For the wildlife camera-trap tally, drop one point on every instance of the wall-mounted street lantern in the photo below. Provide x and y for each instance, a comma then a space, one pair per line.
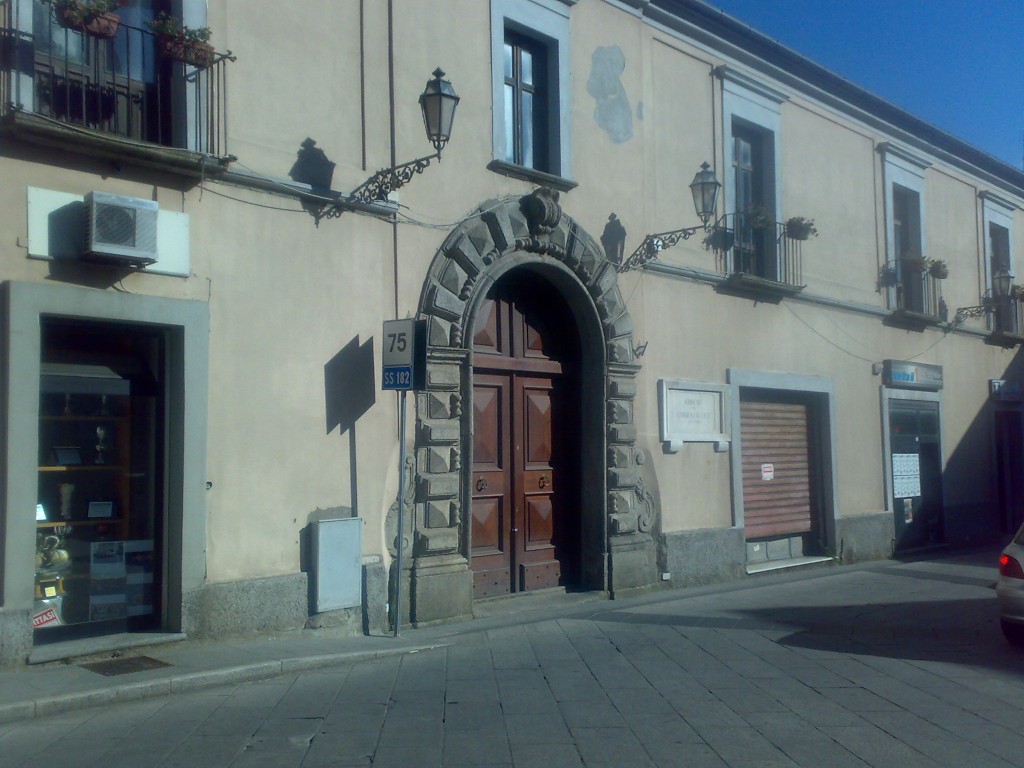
1002, 284
704, 188
437, 102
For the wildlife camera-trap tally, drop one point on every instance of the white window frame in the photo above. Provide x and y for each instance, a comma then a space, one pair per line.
999, 211
900, 167
548, 19
750, 101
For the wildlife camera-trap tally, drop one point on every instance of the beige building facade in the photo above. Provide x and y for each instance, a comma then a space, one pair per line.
823, 368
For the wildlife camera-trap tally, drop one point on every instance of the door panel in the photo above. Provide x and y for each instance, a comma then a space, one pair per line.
534, 483
539, 523
491, 521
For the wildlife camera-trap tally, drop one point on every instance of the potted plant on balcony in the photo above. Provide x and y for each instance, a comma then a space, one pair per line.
175, 41
914, 262
888, 277
938, 269
799, 228
759, 218
95, 18
719, 239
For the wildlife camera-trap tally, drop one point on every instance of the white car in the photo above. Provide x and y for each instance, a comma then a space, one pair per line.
1010, 589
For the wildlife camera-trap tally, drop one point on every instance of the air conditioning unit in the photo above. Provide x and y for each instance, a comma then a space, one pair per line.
120, 230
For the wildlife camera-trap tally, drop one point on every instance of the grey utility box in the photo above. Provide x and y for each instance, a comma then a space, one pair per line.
337, 563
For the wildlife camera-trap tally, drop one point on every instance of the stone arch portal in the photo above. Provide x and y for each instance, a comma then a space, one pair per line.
617, 515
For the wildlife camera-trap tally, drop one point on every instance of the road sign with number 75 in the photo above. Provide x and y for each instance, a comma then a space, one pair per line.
404, 354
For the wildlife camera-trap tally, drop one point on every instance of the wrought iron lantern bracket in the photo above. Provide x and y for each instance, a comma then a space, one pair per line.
963, 314
387, 180
437, 103
704, 188
652, 245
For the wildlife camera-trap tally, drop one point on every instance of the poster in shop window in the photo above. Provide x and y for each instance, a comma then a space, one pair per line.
906, 475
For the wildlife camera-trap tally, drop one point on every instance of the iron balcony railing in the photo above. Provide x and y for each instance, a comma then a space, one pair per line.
747, 244
1007, 314
120, 86
911, 288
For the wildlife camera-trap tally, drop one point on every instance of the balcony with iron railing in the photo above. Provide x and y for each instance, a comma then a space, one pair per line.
117, 97
1004, 314
757, 256
1007, 320
913, 293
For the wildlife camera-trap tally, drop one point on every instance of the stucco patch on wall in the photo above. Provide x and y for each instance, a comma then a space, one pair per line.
612, 113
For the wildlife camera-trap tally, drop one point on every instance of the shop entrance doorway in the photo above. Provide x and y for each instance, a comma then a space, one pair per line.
916, 473
1009, 434
525, 530
100, 503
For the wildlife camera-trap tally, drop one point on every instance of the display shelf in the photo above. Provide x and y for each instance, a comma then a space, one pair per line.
84, 471
82, 468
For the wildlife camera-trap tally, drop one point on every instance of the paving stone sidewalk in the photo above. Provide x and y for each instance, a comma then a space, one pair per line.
888, 664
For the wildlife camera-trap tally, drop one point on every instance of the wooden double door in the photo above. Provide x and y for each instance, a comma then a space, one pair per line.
525, 482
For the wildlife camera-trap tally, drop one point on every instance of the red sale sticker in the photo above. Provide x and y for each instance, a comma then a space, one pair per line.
45, 618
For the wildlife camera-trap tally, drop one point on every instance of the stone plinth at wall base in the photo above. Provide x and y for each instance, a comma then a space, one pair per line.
375, 597
15, 637
865, 537
634, 565
441, 589
247, 607
343, 622
706, 556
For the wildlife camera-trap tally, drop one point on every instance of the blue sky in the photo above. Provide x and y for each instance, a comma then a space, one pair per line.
954, 63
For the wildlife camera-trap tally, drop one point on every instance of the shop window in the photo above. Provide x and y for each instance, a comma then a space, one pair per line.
99, 513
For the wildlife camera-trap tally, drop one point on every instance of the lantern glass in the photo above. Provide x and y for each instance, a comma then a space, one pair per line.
438, 102
704, 188
1001, 282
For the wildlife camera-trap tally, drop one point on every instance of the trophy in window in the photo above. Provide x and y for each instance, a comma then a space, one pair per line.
101, 436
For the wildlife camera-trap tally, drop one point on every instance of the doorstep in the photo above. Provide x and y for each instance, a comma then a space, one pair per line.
790, 562
91, 646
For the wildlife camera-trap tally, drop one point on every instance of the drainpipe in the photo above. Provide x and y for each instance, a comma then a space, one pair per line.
394, 161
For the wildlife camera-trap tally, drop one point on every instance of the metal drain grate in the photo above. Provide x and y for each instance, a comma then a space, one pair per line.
124, 666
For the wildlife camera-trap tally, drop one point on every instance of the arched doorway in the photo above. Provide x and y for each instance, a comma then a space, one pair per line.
525, 508
530, 247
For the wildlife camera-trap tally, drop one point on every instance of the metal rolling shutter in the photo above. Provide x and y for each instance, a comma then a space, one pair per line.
775, 433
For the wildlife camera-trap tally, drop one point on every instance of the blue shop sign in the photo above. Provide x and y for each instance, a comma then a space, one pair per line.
907, 375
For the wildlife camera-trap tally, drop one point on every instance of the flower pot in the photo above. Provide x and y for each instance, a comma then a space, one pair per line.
914, 264
939, 271
798, 230
719, 239
100, 25
189, 52
887, 277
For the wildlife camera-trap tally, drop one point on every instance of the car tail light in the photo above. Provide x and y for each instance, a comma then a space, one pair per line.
1010, 568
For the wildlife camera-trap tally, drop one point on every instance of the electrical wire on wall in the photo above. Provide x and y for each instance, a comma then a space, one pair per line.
854, 355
